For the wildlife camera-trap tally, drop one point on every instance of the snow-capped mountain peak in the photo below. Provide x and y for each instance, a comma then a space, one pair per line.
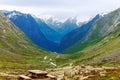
13, 14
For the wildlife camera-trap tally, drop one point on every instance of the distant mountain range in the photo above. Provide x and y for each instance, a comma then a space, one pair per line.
101, 45
76, 35
51, 34
63, 27
105, 28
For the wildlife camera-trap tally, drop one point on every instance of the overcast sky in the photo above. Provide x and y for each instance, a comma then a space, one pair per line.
84, 9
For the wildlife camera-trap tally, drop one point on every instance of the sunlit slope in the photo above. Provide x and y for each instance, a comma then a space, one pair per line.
105, 26
17, 51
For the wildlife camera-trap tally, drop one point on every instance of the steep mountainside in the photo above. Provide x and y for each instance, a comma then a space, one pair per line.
69, 25
76, 35
16, 51
31, 28
105, 26
49, 33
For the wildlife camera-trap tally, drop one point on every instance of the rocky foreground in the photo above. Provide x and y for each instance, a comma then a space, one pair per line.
77, 73
86, 73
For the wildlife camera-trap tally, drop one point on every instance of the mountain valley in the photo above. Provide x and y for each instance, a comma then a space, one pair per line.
40, 32
28, 42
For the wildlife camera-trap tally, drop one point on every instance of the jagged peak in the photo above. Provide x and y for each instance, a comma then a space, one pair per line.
51, 18
12, 14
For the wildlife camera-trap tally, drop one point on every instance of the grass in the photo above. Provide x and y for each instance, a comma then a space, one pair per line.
101, 28
18, 52
106, 45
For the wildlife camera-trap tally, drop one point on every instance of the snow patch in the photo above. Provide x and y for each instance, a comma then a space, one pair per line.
50, 59
102, 14
53, 64
12, 14
4, 31
51, 18
71, 64
45, 57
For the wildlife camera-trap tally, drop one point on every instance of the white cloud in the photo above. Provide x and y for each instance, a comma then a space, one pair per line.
61, 8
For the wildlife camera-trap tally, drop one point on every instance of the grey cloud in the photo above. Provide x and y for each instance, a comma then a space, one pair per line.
32, 2
62, 7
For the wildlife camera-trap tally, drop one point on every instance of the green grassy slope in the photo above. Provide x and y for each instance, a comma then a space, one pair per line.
18, 52
107, 51
103, 27
103, 43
